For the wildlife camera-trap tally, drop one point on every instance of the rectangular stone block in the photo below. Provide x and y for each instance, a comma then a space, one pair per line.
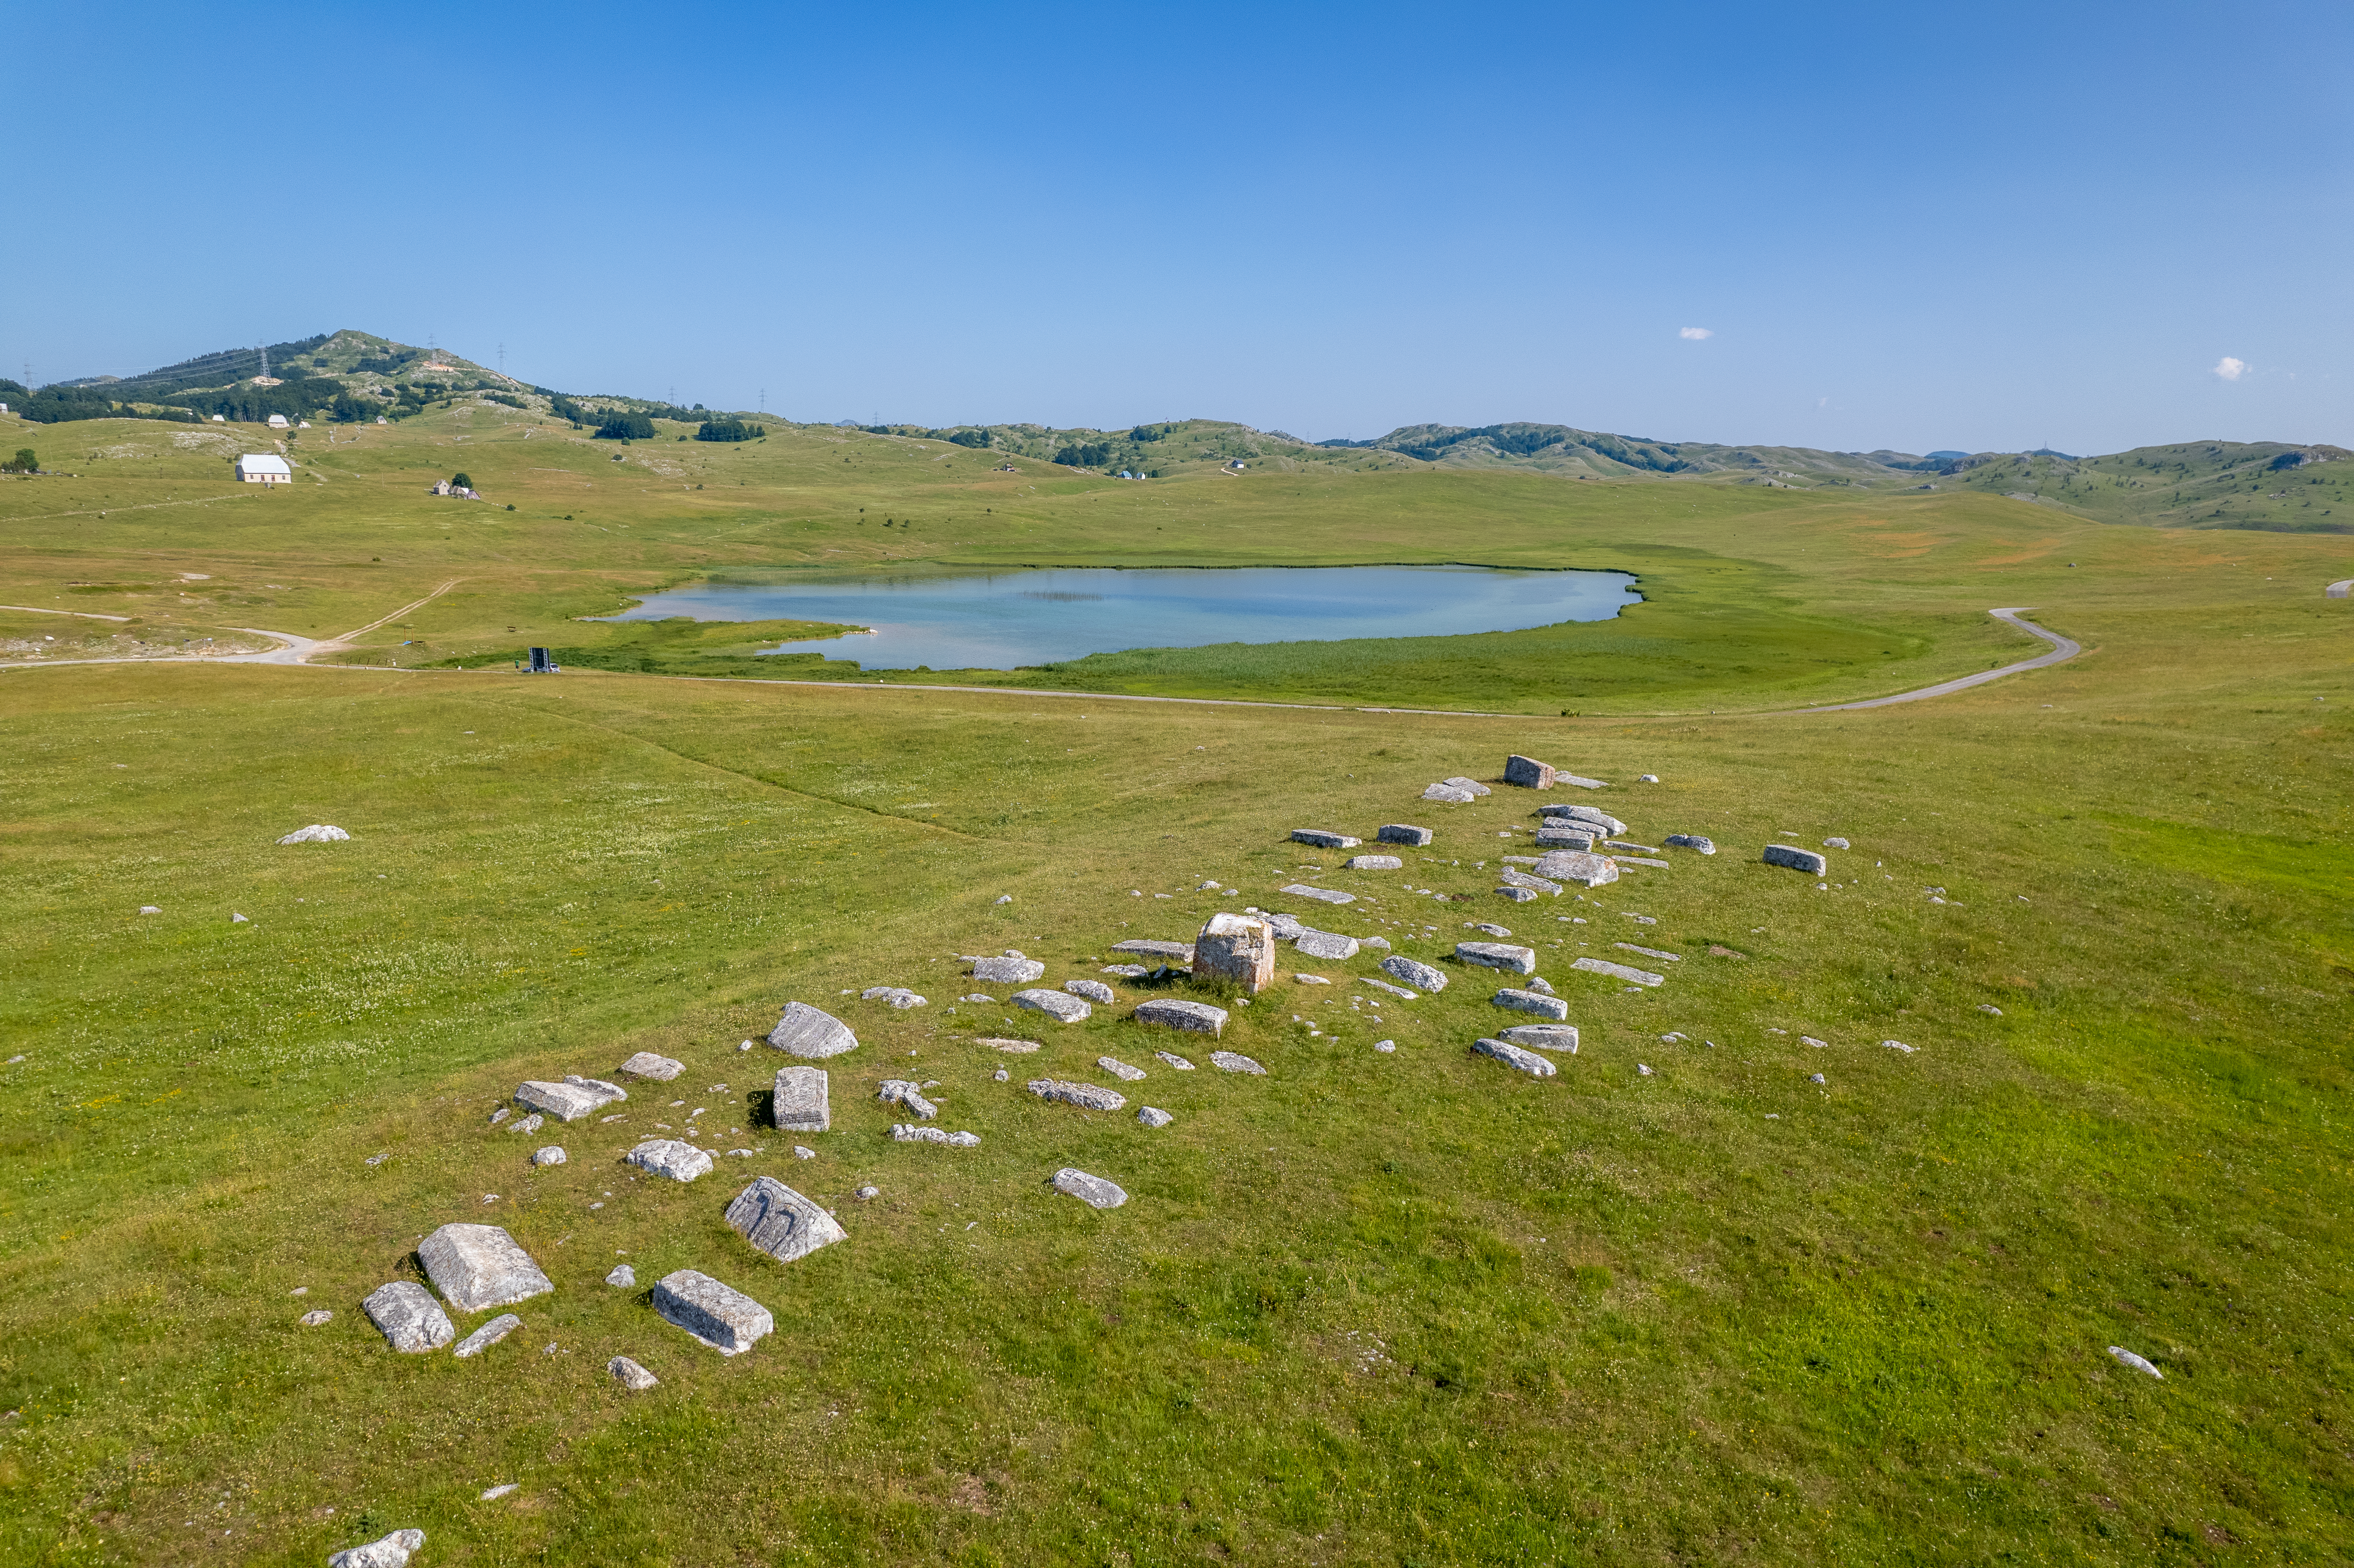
1595, 814
1325, 945
1405, 834
1175, 1012
1238, 949
1512, 1056
1797, 859
1571, 836
477, 1267
1619, 972
1499, 956
1321, 894
1322, 839
566, 1102
799, 1103
1528, 772
1373, 863
1175, 952
781, 1221
1576, 865
1543, 1037
1536, 1001
726, 1319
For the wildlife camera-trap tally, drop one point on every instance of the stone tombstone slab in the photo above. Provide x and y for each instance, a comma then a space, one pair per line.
1119, 1069
1091, 990
909, 1132
1175, 1012
1619, 972
1092, 1190
1321, 839
1086, 1096
411, 1322
566, 1102
489, 1334
781, 1221
1420, 976
1175, 952
477, 1267
1060, 1006
1178, 1062
1235, 1062
1007, 971
1153, 1115
646, 1065
669, 1157
1700, 842
1321, 894
1576, 865
1542, 1003
1543, 1037
1594, 815
1560, 835
1499, 956
726, 1319
1797, 859
609, 1093
1511, 877
1512, 1055
800, 1103
1373, 863
1405, 834
1473, 785
1528, 772
806, 1031
1325, 945
1236, 949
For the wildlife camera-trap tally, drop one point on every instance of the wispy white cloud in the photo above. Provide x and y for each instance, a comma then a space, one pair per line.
1696, 334
2230, 369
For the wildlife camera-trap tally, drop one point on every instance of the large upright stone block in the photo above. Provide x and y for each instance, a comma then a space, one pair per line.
799, 1103
1528, 772
477, 1267
1236, 949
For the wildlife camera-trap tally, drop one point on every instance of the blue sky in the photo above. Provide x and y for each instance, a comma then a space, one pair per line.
1986, 226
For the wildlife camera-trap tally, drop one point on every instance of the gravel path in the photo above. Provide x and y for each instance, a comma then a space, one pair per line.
2062, 650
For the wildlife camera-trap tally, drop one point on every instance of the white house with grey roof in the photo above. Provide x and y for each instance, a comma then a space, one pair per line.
264, 468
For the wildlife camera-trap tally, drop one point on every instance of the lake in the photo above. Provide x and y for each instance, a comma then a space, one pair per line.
1009, 619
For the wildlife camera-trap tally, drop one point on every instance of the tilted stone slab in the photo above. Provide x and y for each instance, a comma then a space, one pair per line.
1594, 815
1396, 990
1238, 949
802, 1101
646, 1065
1235, 1062
1176, 1012
1650, 952
1090, 990
1086, 1096
1797, 859
899, 1091
477, 1267
1007, 971
1420, 976
411, 1322
1512, 878
1119, 1069
1528, 772
1517, 895
781, 1221
566, 1102
1700, 842
1287, 928
725, 1318
1498, 956
1060, 1006
1092, 1190
1559, 834
611, 1092
1452, 794
1321, 894
1543, 1037
1512, 1055
489, 1334
1153, 1115
1471, 784
804, 1031
1325, 945
1542, 1003
1175, 952
1323, 840
669, 1157
1405, 834
1576, 865
1373, 863
909, 1132
899, 996
1619, 972
1178, 1062
387, 1552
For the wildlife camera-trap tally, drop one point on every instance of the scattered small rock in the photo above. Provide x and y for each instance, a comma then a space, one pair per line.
551, 1155
1835, 844
630, 1375
1178, 1062
899, 996
494, 1494
803, 1151
899, 1091
1900, 1045
1092, 1190
151, 909
2126, 1358
1512, 1055
1323, 840
316, 834
669, 1157
378, 1157
909, 1132
1700, 842
1153, 1115
1093, 991
867, 1194
1619, 972
1795, 859
1989, 1007
317, 1318
1386, 1046
1119, 1069
1321, 894
624, 1278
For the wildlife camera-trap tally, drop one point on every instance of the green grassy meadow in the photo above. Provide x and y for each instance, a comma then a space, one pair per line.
1451, 1314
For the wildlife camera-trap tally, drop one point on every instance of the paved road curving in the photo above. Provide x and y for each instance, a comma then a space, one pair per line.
2062, 650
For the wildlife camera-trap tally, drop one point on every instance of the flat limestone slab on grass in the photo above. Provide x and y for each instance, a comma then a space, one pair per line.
1092, 1190
1570, 835
1235, 1062
1325, 945
1795, 859
723, 1317
316, 834
1594, 815
1008, 970
804, 1031
1420, 976
781, 1221
1535, 1001
385, 1551
1405, 834
1017, 1046
566, 1102
1236, 949
1650, 952
1619, 972
1499, 956
1700, 842
477, 1267
1373, 863
1321, 894
1323, 840
1091, 990
1512, 1056
630, 1375
1060, 1006
411, 1322
1119, 1069
1175, 1012
1542, 1037
1175, 952
909, 1132
489, 1334
646, 1065
1511, 877
800, 1101
1472, 786
669, 1157
1453, 795
1086, 1096
1576, 865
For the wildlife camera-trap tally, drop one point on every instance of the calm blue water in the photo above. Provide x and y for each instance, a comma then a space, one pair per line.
1007, 620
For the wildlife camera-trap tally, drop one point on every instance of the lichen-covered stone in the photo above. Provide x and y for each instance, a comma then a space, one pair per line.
1060, 1006
624, 1278
1373, 863
1473, 785
1176, 1012
1565, 835
1498, 956
1091, 990
411, 1322
1528, 772
551, 1155
1007, 970
1700, 842
1517, 895
1321, 894
1512, 878
1543, 1037
1594, 815
899, 1091
477, 1267
566, 1102
1119, 1069
805, 1031
909, 1132
1086, 1096
630, 1375
723, 1317
1795, 859
1238, 949
781, 1221
669, 1157
1453, 795
1175, 952
1178, 1062
489, 1334
801, 1100
1092, 1190
1405, 834
1420, 976
385, 1551
1017, 1046
1576, 865
1153, 1115
1512, 1055
646, 1065
1536, 1001
1325, 945
1235, 1062
1619, 972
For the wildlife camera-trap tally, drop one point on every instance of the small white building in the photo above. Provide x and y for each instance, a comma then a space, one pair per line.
264, 468
303, 426
278, 422
220, 418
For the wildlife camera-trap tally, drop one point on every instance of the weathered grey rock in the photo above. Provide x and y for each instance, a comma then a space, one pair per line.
1795, 859
804, 1031
1321, 894
899, 1091
551, 1155
1007, 972
1235, 1062
2138, 1363
1380, 942
803, 1151
1238, 949
726, 1319
1517, 895
1385, 1046
1473, 785
477, 1267
1576, 865
864, 1194
1060, 1006
1594, 815
1565, 835
1092, 1190
1125, 971
1498, 956
1119, 1069
1287, 928
1542, 1003
387, 1552
646, 1065
1373, 863
1543, 1037
317, 1318
630, 1375
1621, 845
1176, 1012
1086, 1096
316, 834
1700, 842
411, 1322
1311, 980
1178, 1062
1323, 840
624, 1278
611, 1092
669, 1157
1153, 1115
1175, 952
1514, 878
801, 1100
1540, 985
500, 1114
1405, 834
1019, 1047
489, 1334
1325, 945
781, 1221
1512, 1055
1528, 772
531, 1123
909, 1132
899, 996
1420, 976
566, 1102
1575, 782
1650, 952
1638, 860
1398, 990
1452, 794
1093, 991
1619, 972
1835, 844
